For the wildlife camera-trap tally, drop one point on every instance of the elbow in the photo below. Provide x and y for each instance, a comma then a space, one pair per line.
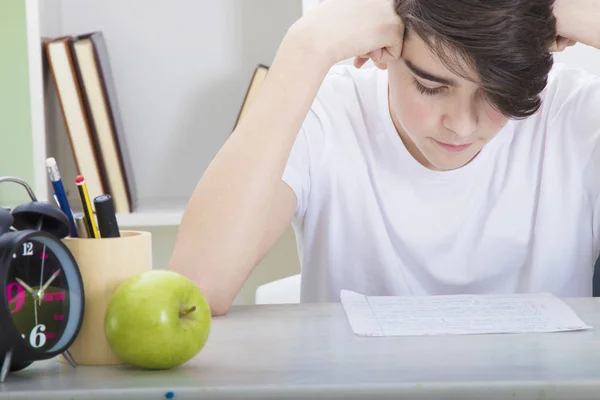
218, 296
218, 310
219, 304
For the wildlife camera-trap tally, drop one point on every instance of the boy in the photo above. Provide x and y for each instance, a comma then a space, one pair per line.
464, 163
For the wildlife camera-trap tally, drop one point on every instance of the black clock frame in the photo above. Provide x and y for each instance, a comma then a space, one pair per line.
15, 353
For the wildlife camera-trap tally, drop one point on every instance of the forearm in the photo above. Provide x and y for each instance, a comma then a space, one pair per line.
579, 20
218, 241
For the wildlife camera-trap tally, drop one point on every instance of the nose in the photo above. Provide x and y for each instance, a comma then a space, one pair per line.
462, 120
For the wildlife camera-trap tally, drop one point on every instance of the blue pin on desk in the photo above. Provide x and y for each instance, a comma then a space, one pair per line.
61, 195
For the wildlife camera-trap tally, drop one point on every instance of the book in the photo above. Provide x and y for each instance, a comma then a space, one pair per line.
258, 78
104, 115
63, 71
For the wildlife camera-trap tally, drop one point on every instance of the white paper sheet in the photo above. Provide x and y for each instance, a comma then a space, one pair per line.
458, 314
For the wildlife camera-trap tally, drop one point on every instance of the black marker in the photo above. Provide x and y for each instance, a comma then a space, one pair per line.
107, 219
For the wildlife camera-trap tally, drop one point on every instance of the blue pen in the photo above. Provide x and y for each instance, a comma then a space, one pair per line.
60, 193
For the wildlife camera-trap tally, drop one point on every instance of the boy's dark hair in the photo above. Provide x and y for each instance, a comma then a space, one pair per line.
506, 41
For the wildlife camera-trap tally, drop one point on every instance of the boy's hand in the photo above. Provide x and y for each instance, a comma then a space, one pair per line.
577, 21
561, 43
355, 28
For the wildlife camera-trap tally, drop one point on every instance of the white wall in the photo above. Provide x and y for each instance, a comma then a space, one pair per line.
181, 70
580, 56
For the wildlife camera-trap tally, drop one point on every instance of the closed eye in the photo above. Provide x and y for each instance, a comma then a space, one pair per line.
427, 91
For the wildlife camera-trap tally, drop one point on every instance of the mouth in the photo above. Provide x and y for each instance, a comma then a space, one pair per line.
456, 148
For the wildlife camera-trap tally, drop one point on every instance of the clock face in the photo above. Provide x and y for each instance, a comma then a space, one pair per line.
38, 293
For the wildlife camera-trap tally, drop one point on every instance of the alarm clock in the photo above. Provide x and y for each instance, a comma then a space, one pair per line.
42, 296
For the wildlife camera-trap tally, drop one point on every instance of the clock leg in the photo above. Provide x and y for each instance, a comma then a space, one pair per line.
5, 365
69, 358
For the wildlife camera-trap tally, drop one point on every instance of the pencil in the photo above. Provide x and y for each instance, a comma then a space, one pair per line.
82, 225
87, 207
59, 191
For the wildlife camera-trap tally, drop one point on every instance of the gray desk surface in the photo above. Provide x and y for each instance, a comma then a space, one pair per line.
299, 351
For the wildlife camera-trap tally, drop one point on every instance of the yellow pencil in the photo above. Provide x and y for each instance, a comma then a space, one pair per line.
87, 206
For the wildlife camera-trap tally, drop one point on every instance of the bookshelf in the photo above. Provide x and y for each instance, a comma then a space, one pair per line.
181, 70
151, 217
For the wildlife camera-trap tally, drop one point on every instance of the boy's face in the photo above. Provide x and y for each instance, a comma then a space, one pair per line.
443, 119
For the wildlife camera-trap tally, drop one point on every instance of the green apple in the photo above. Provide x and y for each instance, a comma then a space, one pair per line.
158, 319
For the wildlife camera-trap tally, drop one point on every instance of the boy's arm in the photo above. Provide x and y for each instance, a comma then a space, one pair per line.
241, 205
241, 195
578, 21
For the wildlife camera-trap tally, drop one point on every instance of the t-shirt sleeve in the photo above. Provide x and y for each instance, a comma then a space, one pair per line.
576, 112
303, 164
591, 173
584, 112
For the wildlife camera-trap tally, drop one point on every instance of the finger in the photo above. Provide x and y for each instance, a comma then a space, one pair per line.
359, 61
557, 47
387, 55
376, 55
391, 53
380, 65
561, 43
379, 57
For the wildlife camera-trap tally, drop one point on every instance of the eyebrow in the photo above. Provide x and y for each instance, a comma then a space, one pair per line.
426, 75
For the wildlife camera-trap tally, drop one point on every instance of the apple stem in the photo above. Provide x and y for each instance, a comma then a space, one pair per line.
186, 312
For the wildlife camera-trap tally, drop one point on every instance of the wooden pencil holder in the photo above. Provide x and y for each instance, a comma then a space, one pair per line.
104, 264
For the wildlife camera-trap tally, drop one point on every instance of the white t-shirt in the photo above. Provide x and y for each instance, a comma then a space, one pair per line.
523, 216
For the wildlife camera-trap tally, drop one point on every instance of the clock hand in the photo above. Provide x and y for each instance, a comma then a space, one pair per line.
25, 286
42, 274
30, 290
54, 275
35, 311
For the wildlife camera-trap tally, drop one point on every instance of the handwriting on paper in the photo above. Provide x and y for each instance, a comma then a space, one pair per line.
458, 314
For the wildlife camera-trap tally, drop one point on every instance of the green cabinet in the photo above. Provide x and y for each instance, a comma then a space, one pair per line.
16, 147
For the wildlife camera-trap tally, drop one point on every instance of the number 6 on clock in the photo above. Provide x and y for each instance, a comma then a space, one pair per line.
37, 338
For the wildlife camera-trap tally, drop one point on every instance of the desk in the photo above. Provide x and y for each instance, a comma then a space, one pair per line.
303, 350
